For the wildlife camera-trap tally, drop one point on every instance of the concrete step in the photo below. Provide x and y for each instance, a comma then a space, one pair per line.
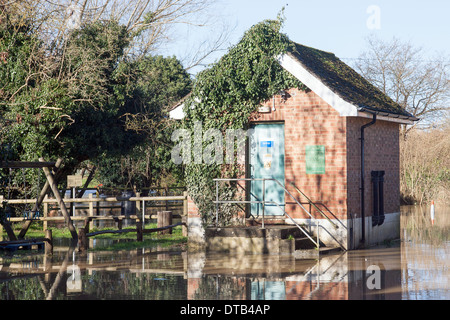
314, 253
329, 250
304, 243
268, 221
284, 231
273, 231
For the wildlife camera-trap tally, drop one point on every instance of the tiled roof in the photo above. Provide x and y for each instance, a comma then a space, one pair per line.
346, 82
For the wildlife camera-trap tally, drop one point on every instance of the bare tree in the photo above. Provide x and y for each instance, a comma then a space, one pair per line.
148, 24
400, 70
200, 52
425, 165
147, 21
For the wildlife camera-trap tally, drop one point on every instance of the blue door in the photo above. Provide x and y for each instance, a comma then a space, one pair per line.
266, 155
268, 290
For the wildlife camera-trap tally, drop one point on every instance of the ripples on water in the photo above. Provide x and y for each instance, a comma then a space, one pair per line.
415, 267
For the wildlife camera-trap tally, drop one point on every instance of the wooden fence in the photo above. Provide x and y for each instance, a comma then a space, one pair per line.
92, 209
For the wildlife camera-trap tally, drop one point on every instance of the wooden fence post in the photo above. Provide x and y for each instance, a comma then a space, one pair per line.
45, 213
138, 206
48, 242
91, 211
185, 203
164, 220
139, 230
166, 193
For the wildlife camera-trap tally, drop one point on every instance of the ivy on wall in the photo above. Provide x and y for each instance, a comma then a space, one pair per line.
226, 96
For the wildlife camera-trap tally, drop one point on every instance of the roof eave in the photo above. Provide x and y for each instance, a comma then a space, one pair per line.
399, 118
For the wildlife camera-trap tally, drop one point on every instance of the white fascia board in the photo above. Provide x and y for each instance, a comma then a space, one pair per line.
385, 118
177, 113
293, 66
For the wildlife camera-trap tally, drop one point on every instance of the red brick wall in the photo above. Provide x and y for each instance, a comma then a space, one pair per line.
381, 150
309, 120
301, 290
192, 209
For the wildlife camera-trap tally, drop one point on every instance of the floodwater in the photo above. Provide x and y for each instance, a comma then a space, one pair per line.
416, 267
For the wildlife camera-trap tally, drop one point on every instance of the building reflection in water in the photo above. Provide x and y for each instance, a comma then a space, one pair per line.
365, 275
415, 267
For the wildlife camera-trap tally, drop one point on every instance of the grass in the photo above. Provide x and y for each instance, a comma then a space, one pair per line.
122, 241
162, 241
127, 241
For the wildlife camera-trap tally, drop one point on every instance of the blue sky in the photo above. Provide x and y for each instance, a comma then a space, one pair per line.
335, 26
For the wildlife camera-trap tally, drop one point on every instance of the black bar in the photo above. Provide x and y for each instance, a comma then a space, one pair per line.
375, 201
380, 198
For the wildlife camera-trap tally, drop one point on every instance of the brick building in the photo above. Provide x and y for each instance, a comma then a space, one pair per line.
337, 142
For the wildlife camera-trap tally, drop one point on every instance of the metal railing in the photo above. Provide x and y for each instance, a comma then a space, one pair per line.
314, 205
264, 202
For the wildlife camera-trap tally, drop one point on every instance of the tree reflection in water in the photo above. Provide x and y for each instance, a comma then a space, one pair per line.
414, 268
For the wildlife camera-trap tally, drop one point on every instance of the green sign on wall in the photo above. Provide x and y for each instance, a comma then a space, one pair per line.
315, 159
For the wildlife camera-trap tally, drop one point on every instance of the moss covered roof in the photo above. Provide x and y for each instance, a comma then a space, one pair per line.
344, 81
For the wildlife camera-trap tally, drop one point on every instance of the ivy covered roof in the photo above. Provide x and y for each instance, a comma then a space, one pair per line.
345, 82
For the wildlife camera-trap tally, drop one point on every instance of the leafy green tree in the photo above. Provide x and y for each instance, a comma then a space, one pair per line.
94, 53
151, 85
64, 104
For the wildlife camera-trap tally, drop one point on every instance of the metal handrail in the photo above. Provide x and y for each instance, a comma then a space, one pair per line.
279, 206
314, 205
317, 243
263, 202
263, 180
323, 214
